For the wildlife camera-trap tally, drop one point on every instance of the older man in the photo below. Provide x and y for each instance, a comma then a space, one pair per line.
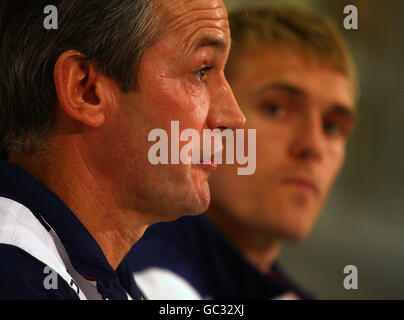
77, 189
293, 76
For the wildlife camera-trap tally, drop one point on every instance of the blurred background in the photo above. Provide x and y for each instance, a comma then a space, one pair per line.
363, 222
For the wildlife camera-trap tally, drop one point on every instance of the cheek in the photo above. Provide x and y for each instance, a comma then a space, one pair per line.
184, 102
333, 163
272, 144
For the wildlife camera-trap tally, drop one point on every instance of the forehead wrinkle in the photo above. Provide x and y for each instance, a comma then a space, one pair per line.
193, 39
206, 21
186, 5
190, 17
185, 19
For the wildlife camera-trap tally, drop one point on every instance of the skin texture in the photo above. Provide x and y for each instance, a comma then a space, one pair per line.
303, 112
96, 160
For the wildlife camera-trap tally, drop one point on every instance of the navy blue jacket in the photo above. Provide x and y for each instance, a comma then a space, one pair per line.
195, 251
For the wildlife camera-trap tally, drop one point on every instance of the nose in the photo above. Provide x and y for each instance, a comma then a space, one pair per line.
224, 110
309, 141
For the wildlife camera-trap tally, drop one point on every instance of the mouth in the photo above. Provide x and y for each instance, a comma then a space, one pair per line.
210, 167
302, 184
209, 162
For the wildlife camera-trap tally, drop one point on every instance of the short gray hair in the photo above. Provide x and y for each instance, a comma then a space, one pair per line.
112, 33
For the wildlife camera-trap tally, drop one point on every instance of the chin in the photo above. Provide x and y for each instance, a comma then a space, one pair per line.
296, 237
298, 222
296, 233
202, 200
193, 202
290, 227
200, 193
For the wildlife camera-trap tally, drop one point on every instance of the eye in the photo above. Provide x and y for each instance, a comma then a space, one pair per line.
333, 129
201, 73
275, 110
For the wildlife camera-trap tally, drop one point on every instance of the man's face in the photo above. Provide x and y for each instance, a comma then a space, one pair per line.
303, 112
181, 79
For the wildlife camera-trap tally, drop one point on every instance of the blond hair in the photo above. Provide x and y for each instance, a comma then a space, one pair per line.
316, 34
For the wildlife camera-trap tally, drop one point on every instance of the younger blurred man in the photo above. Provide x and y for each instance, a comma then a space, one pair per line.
293, 77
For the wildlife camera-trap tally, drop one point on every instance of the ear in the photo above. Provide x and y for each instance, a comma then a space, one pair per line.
80, 89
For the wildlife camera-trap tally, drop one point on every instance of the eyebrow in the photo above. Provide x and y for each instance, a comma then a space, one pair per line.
282, 87
340, 109
212, 42
345, 112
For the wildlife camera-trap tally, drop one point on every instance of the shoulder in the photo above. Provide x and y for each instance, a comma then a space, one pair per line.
165, 263
22, 277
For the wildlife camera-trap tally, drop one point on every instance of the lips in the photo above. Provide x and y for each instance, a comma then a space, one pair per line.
302, 184
211, 159
210, 166
209, 162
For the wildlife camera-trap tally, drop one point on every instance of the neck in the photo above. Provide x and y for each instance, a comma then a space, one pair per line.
258, 247
90, 198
